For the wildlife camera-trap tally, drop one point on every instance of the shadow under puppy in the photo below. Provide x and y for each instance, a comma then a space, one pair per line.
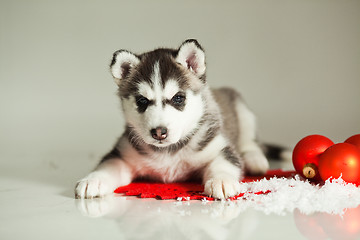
176, 126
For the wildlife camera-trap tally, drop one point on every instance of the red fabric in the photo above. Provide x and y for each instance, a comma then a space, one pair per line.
187, 190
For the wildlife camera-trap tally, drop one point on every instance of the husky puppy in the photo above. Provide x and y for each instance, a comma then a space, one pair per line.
177, 128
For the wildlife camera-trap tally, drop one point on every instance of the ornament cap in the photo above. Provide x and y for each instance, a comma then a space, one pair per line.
310, 170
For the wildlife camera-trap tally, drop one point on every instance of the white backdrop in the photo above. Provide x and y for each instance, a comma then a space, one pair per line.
296, 62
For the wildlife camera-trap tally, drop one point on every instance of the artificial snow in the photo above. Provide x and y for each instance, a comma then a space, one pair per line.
297, 193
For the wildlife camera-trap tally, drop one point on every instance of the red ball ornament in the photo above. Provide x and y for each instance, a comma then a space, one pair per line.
341, 159
354, 140
306, 155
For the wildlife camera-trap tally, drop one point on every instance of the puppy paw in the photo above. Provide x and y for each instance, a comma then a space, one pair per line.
222, 188
96, 184
255, 162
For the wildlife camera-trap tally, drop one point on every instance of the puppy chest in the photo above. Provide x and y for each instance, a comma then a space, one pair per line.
169, 169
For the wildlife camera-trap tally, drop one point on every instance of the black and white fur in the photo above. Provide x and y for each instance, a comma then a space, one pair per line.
177, 128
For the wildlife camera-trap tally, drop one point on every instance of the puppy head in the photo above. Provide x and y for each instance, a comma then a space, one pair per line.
161, 91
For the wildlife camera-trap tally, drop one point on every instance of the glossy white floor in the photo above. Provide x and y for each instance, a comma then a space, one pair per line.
37, 203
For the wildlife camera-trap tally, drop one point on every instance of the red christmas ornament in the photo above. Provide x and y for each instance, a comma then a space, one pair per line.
354, 140
306, 155
342, 159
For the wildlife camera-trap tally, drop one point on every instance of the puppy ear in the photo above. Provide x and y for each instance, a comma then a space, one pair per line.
192, 56
122, 63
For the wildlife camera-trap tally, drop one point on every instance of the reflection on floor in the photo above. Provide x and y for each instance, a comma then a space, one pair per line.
155, 219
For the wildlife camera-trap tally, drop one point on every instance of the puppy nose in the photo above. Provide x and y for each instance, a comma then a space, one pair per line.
159, 133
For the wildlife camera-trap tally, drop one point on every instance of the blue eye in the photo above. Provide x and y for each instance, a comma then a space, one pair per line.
178, 99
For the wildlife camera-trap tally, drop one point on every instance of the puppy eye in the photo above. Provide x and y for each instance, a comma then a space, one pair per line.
142, 101
178, 99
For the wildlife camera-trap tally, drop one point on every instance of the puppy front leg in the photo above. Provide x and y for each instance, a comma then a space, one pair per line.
222, 175
109, 174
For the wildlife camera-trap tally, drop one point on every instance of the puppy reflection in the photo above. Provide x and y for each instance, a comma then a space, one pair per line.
149, 218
